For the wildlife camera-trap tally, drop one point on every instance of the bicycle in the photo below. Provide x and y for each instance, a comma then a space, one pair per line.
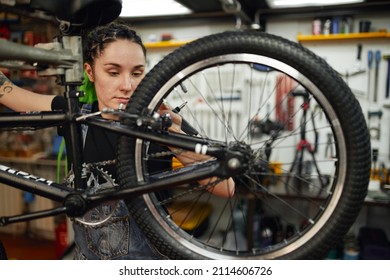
256, 147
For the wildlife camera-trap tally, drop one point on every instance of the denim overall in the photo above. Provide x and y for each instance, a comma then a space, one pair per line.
117, 238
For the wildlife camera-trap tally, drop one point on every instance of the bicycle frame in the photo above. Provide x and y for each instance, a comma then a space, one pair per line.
68, 67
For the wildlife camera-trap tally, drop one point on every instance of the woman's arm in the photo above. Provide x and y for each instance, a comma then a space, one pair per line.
223, 188
21, 100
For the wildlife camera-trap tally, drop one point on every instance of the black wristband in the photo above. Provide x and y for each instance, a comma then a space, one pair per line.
58, 103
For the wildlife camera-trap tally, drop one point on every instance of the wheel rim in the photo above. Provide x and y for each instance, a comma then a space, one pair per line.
316, 221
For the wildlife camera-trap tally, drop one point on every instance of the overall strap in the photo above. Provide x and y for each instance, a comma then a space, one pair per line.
85, 109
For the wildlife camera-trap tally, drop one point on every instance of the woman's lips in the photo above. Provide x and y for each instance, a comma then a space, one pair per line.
122, 100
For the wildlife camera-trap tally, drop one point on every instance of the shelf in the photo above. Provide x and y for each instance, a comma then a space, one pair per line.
28, 160
165, 44
364, 35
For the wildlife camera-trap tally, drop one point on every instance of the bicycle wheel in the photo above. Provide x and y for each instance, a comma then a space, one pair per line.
309, 146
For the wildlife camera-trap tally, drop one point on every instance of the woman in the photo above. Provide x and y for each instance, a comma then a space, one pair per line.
115, 62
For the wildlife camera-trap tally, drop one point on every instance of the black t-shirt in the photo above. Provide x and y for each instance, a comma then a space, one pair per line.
100, 145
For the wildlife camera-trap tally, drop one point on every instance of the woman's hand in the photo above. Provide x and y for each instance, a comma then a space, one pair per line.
176, 118
223, 188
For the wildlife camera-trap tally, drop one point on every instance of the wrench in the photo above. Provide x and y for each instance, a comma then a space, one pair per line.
387, 57
377, 60
370, 55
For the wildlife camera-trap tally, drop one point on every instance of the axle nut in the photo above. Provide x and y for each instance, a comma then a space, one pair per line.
234, 164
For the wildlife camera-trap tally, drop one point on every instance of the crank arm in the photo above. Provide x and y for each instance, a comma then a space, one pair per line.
32, 216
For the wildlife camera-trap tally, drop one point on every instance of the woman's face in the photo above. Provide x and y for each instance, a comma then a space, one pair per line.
117, 71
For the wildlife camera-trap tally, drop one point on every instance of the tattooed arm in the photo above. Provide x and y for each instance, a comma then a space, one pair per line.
20, 100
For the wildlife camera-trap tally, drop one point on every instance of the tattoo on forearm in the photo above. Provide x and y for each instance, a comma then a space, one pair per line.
5, 85
3, 79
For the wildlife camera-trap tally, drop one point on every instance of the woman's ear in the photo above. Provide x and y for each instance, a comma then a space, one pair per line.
88, 70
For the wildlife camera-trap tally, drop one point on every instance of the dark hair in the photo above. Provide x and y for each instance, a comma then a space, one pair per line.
99, 37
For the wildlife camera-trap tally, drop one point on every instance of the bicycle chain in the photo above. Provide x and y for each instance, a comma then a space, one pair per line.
167, 153
99, 164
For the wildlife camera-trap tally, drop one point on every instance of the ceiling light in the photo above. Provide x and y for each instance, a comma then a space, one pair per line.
306, 3
150, 8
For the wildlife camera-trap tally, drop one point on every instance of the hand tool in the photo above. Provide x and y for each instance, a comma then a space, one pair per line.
377, 61
357, 69
375, 131
178, 108
387, 106
375, 153
387, 57
185, 126
358, 66
329, 146
370, 55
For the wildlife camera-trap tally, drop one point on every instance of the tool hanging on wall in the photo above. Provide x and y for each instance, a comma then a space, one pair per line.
375, 131
358, 65
377, 61
387, 94
387, 106
357, 69
329, 146
370, 57
374, 154
384, 178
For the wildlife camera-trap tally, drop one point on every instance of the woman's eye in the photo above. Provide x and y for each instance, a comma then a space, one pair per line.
113, 73
137, 74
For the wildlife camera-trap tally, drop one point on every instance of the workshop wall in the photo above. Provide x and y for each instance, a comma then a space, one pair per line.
342, 55
369, 85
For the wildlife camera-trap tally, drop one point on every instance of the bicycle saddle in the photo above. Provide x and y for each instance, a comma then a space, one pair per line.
86, 13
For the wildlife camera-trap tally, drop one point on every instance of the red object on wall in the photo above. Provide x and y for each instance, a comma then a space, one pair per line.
285, 101
4, 31
61, 238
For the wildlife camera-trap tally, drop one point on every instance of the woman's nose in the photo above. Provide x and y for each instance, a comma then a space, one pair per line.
127, 83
